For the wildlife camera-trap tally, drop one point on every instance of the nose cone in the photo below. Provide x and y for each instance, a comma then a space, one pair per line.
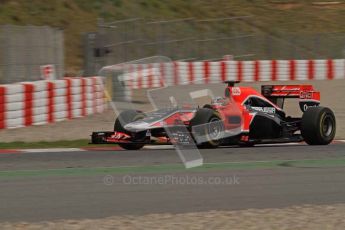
137, 126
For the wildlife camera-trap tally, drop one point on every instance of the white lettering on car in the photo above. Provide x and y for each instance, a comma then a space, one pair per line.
264, 109
236, 91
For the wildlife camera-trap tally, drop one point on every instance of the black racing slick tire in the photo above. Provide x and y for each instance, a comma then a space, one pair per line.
124, 118
318, 126
207, 128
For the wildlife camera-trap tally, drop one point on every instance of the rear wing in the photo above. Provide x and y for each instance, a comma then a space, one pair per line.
305, 93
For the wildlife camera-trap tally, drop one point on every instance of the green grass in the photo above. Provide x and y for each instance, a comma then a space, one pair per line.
78, 16
56, 144
169, 168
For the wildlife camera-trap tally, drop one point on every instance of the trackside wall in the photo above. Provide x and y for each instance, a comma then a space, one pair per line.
189, 73
42, 102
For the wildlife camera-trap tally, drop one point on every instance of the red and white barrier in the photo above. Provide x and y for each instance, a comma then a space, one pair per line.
186, 73
41, 102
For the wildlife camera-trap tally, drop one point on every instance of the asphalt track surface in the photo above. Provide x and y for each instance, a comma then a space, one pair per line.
95, 184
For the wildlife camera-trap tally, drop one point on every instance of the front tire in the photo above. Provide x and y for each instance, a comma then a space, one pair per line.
212, 131
318, 126
123, 119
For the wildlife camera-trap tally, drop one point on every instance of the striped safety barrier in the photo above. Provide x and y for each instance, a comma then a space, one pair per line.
185, 73
41, 102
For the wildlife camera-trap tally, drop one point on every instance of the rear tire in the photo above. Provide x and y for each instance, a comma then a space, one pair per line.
212, 132
123, 119
318, 126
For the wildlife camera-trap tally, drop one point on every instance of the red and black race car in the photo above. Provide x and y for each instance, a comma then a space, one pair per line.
242, 117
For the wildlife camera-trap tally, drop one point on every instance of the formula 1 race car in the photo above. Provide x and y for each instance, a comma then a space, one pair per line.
242, 117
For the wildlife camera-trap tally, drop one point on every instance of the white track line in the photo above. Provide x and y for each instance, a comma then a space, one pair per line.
157, 147
52, 150
280, 144
163, 147
149, 147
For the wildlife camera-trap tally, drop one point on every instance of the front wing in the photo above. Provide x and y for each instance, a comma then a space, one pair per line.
114, 137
